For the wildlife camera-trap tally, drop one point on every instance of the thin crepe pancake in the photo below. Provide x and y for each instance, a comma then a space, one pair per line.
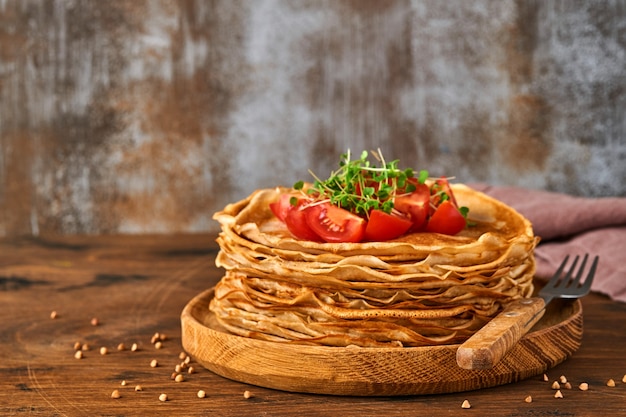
419, 289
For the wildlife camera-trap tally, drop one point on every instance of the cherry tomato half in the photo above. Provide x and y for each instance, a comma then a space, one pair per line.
281, 207
447, 219
295, 219
383, 226
440, 188
415, 206
334, 224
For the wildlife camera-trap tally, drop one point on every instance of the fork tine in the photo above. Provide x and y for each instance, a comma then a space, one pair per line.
568, 276
592, 272
557, 275
574, 283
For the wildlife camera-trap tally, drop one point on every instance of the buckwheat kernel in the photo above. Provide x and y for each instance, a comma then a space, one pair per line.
466, 404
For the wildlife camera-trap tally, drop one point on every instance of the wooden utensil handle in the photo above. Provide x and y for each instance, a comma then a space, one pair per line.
488, 345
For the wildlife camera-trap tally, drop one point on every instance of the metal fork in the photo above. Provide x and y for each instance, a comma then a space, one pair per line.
488, 345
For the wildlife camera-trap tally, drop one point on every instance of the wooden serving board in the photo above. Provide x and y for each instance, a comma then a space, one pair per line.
372, 371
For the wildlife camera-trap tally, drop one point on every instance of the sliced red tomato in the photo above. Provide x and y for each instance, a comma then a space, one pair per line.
415, 206
281, 207
295, 219
383, 226
334, 224
440, 188
447, 219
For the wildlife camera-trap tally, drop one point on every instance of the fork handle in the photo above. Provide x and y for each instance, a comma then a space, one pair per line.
489, 344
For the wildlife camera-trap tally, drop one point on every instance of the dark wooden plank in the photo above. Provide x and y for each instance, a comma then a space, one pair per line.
138, 285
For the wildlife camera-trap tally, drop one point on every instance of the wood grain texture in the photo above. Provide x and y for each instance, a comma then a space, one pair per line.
139, 285
148, 116
371, 371
494, 340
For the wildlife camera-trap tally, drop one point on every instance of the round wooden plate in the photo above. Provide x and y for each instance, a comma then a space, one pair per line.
372, 371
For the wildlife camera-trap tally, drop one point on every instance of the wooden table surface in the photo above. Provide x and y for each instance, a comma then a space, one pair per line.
136, 286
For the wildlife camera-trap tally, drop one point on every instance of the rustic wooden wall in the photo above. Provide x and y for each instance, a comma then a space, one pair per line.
147, 116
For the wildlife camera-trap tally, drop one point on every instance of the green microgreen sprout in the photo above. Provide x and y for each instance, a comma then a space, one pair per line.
361, 186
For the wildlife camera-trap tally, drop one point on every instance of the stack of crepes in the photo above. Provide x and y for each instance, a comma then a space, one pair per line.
421, 289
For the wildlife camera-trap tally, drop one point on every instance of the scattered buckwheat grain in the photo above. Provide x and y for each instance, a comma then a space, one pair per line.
545, 378
158, 345
191, 370
134, 347
54, 315
78, 354
568, 385
556, 385
528, 399
163, 397
115, 394
85, 346
583, 386
201, 394
121, 347
610, 383
182, 356
558, 394
95, 321
177, 368
624, 378
138, 388
77, 346
154, 363
123, 383
247, 394
563, 379
103, 350
179, 378
466, 404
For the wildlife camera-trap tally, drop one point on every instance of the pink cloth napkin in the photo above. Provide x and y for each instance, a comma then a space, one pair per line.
575, 226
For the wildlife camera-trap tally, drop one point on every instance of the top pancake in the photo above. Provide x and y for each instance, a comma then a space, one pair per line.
497, 228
